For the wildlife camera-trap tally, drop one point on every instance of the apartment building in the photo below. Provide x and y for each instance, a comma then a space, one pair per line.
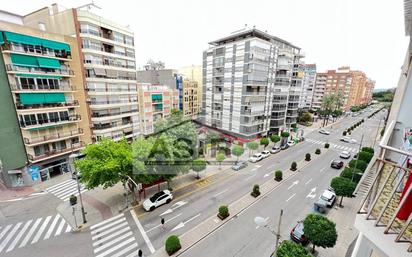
108, 64
251, 84
194, 73
156, 102
43, 118
308, 85
191, 107
354, 87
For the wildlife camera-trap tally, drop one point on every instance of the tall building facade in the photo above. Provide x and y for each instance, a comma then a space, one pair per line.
194, 73
42, 81
156, 102
190, 100
108, 64
308, 86
251, 84
354, 87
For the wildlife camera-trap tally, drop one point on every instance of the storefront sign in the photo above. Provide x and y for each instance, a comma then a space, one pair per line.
34, 172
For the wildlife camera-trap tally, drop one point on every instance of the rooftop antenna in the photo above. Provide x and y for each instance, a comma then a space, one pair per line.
90, 5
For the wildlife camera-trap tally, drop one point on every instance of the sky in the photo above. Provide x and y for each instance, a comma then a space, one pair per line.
366, 35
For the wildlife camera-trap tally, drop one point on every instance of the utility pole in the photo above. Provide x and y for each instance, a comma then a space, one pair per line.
278, 232
356, 162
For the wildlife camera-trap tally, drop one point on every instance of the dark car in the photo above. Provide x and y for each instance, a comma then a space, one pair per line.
336, 164
239, 165
297, 234
284, 147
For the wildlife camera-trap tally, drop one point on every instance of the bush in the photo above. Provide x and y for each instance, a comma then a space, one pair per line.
307, 157
348, 173
362, 165
344, 133
317, 151
327, 145
368, 149
255, 191
172, 244
278, 175
293, 166
223, 212
365, 156
73, 200
284, 134
382, 132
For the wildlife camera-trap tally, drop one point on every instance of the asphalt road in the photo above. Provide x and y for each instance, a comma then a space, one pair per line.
192, 208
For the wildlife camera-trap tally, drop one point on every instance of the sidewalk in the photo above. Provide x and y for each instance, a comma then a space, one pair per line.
8, 193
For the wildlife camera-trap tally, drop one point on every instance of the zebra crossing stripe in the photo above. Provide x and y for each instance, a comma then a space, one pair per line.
125, 250
106, 221
95, 231
42, 228
31, 231
9, 236
60, 227
66, 198
68, 228
111, 236
5, 231
49, 232
98, 249
108, 231
19, 235
116, 247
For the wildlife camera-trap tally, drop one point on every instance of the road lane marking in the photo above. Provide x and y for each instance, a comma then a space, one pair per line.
290, 197
95, 231
16, 240
9, 236
144, 235
42, 228
111, 236
182, 224
116, 247
307, 182
323, 168
246, 179
117, 239
293, 184
31, 231
105, 221
312, 193
167, 221
49, 232
224, 191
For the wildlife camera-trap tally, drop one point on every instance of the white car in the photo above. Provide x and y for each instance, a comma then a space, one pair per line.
256, 157
157, 199
344, 155
324, 132
275, 149
291, 143
345, 139
353, 141
329, 197
265, 153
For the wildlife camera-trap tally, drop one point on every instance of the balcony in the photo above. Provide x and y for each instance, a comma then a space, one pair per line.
39, 88
69, 104
55, 152
35, 51
49, 122
31, 141
41, 71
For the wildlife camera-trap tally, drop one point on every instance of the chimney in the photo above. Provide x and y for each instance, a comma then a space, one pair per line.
55, 8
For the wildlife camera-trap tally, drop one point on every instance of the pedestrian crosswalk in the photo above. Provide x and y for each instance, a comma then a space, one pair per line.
113, 237
21, 234
65, 189
339, 147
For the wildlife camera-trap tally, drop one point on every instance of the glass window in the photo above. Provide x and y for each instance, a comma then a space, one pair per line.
129, 40
64, 116
118, 37
42, 118
54, 116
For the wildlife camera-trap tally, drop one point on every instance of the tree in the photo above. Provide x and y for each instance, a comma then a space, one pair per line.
198, 165
274, 139
365, 156
213, 138
359, 164
285, 135
328, 102
343, 187
368, 149
220, 157
264, 141
350, 173
253, 145
238, 151
105, 163
320, 231
305, 117
291, 249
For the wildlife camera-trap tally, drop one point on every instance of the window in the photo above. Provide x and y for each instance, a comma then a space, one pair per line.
30, 119
27, 83
42, 26
41, 149
64, 116
89, 29
129, 52
129, 40
54, 117
118, 37
42, 118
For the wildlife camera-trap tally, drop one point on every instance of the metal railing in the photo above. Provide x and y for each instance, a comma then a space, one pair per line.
36, 51
47, 122
34, 87
54, 152
40, 139
61, 71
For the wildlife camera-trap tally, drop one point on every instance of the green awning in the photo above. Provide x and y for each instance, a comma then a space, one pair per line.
41, 98
24, 60
38, 76
29, 40
1, 38
44, 127
157, 97
48, 63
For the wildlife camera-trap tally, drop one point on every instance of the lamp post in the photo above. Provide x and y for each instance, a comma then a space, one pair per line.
262, 222
72, 157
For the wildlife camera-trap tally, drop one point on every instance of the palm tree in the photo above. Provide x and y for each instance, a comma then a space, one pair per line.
328, 103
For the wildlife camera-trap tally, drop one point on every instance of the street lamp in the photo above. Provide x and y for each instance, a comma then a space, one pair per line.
262, 222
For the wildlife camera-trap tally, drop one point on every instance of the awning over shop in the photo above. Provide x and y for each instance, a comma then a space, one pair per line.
157, 97
41, 98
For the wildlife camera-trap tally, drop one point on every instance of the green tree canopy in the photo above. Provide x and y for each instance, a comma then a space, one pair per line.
291, 249
349, 172
305, 117
220, 157
106, 163
274, 138
320, 231
198, 165
285, 134
362, 165
365, 156
264, 141
343, 187
253, 145
237, 151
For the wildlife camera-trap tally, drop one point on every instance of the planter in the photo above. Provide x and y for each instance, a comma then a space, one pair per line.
278, 179
73, 200
255, 194
172, 245
223, 212
221, 217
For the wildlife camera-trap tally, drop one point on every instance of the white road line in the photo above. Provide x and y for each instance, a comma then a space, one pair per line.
111, 236
42, 228
192, 218
165, 222
224, 191
60, 227
117, 239
253, 169
116, 247
246, 179
5, 231
16, 240
31, 231
144, 235
50, 231
95, 231
9, 236
68, 228
109, 231
125, 250
290, 197
58, 185
106, 221
322, 169
63, 187
66, 198
307, 182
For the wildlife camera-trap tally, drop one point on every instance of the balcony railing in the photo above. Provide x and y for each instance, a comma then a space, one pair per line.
55, 152
35, 51
100, 115
50, 137
47, 122
63, 71
51, 105
33, 87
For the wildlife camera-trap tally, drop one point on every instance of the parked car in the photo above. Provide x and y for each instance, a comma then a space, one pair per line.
239, 165
324, 132
265, 153
353, 141
344, 155
275, 149
345, 139
298, 235
256, 157
284, 147
329, 196
291, 143
157, 199
336, 164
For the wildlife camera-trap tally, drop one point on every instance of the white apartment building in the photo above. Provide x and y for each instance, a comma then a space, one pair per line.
245, 92
308, 86
108, 57
319, 90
